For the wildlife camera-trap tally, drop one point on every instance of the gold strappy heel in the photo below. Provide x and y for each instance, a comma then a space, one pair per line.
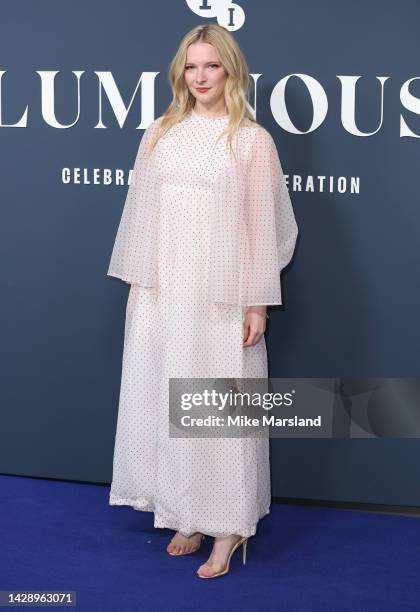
244, 542
176, 554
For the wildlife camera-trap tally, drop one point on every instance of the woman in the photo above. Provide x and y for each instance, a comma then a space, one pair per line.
206, 229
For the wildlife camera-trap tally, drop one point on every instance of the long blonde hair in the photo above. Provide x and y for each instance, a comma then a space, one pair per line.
236, 87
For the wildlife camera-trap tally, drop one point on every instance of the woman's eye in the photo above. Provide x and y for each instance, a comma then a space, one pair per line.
211, 66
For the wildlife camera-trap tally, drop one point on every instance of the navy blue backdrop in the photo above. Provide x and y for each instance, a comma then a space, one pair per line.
68, 74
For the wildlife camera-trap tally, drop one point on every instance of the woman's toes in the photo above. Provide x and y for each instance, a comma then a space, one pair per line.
174, 549
185, 548
205, 570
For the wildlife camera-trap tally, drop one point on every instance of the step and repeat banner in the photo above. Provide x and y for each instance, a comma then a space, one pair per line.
338, 87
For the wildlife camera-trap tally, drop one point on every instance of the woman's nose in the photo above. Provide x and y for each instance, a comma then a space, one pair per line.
201, 77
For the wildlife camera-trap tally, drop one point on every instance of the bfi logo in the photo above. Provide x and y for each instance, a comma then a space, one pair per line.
228, 14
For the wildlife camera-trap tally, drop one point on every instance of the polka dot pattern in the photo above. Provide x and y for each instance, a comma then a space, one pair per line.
216, 486
251, 222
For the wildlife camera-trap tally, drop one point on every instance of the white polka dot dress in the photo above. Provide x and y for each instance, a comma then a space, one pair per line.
216, 486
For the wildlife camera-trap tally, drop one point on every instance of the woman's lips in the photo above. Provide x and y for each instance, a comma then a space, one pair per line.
202, 89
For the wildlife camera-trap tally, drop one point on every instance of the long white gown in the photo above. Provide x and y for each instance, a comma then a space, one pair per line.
216, 486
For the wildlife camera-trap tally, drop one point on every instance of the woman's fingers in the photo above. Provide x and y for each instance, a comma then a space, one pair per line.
252, 339
254, 327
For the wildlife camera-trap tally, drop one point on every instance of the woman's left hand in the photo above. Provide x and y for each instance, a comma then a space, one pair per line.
254, 325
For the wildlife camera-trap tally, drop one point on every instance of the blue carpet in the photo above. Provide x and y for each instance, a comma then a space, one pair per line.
64, 536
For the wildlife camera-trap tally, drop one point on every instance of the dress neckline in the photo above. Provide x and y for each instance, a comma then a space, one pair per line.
204, 118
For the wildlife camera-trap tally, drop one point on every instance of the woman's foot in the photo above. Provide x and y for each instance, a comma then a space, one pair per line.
219, 555
181, 545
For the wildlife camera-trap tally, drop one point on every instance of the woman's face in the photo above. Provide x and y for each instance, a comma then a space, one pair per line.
203, 69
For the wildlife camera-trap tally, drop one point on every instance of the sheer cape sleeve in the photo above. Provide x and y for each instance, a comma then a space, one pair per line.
134, 255
255, 229
271, 224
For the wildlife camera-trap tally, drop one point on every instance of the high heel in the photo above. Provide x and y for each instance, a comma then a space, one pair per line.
225, 570
175, 554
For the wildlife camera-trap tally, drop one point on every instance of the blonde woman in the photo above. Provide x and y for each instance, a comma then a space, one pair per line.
206, 229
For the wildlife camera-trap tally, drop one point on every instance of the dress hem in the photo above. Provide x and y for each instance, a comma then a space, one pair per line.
164, 522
